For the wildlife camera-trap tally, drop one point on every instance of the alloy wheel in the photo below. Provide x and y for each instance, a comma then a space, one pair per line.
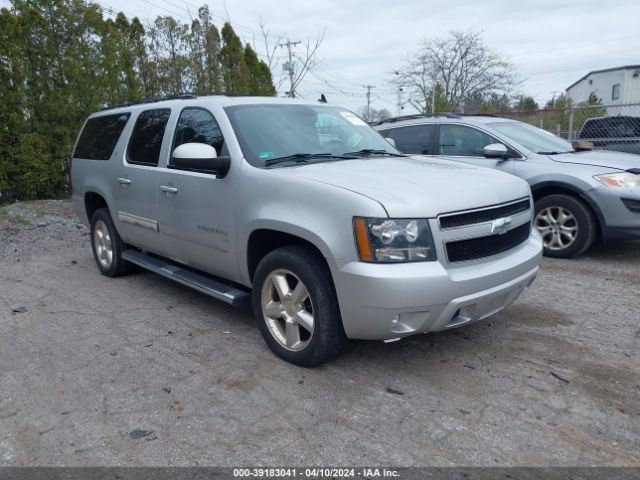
558, 227
287, 309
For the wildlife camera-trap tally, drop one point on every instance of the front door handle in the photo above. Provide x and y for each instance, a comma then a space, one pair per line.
169, 189
124, 181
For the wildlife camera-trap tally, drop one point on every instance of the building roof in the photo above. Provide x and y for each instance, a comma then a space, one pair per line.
626, 67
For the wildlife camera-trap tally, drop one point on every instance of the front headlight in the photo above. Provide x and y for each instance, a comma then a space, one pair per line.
620, 180
385, 240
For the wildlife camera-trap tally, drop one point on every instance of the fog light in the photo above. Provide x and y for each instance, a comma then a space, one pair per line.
395, 319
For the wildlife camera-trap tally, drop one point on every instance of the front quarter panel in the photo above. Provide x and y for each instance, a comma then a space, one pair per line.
314, 211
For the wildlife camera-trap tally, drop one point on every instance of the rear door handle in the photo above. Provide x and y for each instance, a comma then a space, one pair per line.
124, 181
168, 189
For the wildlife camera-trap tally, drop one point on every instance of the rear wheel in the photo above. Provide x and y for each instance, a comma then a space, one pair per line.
107, 245
296, 307
566, 224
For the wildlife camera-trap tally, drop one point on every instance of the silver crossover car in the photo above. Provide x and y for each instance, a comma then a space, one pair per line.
579, 196
307, 213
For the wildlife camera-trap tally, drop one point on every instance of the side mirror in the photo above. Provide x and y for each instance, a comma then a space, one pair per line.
199, 157
391, 141
497, 150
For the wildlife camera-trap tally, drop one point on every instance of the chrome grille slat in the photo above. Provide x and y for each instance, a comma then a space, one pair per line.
456, 220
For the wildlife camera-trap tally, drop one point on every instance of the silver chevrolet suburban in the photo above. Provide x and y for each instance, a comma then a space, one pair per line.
306, 212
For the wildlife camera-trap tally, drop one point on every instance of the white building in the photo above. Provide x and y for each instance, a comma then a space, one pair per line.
614, 86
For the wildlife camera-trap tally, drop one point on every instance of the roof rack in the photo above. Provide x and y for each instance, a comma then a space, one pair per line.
417, 115
177, 96
479, 115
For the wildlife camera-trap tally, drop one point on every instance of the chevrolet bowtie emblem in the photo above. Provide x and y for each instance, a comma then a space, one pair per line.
501, 225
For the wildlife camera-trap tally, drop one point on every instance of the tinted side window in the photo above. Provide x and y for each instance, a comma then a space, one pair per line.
99, 136
461, 141
417, 139
198, 126
146, 138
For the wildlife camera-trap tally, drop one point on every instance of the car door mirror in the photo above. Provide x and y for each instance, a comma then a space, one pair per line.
199, 157
391, 141
497, 150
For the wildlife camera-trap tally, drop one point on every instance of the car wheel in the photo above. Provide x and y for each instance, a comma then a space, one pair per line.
107, 245
296, 307
567, 226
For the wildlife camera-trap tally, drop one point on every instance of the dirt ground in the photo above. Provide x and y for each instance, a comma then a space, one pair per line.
142, 371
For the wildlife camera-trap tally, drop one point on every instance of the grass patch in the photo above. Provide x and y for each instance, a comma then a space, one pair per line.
18, 220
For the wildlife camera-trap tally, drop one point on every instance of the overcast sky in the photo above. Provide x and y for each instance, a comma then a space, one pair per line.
551, 43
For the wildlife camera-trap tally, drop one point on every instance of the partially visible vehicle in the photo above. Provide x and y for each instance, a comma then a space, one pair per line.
621, 133
579, 196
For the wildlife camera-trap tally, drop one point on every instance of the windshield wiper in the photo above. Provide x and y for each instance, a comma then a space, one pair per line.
296, 158
305, 158
555, 153
370, 152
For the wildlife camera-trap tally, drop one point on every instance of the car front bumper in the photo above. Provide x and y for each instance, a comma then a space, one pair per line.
619, 215
381, 302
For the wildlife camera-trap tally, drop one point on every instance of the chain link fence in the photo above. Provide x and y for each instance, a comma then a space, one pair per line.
606, 127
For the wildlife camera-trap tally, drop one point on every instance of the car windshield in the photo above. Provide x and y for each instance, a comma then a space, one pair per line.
535, 139
281, 134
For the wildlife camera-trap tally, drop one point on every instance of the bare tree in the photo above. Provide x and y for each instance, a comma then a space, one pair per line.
375, 115
461, 65
301, 64
307, 60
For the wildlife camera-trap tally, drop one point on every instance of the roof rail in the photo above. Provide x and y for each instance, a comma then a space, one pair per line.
177, 96
479, 115
417, 115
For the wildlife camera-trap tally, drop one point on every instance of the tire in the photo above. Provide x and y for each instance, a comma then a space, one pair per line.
306, 328
567, 225
107, 245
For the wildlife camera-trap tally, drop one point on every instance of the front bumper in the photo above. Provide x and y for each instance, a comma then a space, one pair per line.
380, 302
618, 219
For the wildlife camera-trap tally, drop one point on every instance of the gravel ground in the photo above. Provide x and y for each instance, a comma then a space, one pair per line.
141, 371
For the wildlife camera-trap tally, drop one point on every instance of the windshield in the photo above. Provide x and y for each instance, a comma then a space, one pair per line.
269, 132
535, 139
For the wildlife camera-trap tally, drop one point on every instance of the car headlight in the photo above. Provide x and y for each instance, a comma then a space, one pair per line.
621, 180
386, 240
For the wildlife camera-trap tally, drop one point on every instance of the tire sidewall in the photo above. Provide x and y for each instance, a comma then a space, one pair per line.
328, 334
584, 219
117, 266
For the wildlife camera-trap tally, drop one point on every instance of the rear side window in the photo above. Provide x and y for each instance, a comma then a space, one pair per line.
147, 135
462, 141
417, 140
197, 125
100, 136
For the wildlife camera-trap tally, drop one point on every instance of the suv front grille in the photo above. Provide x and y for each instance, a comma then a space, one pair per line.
480, 247
485, 215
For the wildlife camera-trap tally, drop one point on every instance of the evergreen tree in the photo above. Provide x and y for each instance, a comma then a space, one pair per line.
61, 60
260, 80
234, 69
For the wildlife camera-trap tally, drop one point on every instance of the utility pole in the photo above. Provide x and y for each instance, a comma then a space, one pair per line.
290, 66
369, 87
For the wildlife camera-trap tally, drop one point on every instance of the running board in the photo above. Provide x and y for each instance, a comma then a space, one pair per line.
200, 282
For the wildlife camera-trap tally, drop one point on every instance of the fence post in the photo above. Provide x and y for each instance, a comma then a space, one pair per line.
570, 134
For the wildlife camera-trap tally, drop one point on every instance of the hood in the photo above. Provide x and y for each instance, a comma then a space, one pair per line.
600, 158
417, 186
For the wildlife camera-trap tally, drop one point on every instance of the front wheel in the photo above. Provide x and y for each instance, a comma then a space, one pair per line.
107, 245
566, 224
296, 307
